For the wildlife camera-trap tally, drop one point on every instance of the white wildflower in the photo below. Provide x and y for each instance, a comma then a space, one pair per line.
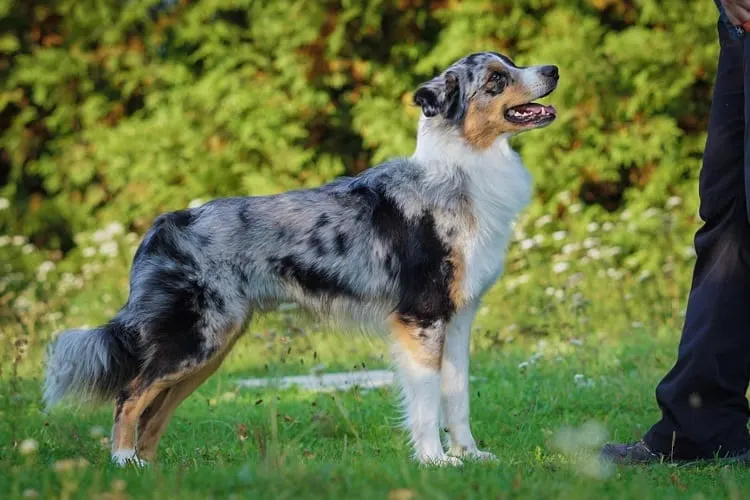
4, 203
524, 278
615, 274
688, 252
549, 291
114, 229
539, 239
88, 252
592, 227
594, 253
564, 196
613, 251
559, 294
527, 244
559, 235
575, 208
131, 238
22, 304
195, 203
109, 248
44, 269
4, 240
590, 242
27, 249
570, 248
18, 240
644, 275
100, 236
543, 220
560, 267
581, 380
626, 215
651, 212
523, 365
673, 201
28, 447
607, 226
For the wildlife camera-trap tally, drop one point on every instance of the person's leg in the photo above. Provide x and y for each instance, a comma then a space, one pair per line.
704, 408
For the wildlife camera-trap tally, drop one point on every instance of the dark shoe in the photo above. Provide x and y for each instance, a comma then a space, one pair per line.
640, 454
630, 454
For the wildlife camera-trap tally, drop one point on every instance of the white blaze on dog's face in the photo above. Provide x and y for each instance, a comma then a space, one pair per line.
485, 95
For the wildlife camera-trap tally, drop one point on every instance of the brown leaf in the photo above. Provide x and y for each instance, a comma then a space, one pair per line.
401, 494
676, 481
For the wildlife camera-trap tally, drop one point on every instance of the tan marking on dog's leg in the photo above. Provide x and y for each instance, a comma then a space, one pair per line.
417, 353
424, 345
456, 286
128, 412
152, 425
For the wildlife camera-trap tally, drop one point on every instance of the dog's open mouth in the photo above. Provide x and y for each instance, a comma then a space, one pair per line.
531, 114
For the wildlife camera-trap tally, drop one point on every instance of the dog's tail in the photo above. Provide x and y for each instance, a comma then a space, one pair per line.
90, 365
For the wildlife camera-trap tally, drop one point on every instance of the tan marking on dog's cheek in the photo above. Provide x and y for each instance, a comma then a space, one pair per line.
426, 350
482, 124
485, 122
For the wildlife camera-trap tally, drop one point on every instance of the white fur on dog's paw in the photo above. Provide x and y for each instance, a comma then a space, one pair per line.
440, 461
128, 457
469, 454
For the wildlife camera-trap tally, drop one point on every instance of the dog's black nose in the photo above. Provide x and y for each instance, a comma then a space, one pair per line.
550, 72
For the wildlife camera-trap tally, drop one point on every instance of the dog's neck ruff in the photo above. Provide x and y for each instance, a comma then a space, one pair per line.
496, 175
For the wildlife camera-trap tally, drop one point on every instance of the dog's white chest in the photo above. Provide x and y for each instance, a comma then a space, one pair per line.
498, 194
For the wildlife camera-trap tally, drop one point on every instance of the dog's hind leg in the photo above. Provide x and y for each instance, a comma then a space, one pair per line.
154, 420
130, 404
417, 353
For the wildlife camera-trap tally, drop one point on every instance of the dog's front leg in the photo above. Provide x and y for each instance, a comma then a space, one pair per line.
417, 353
455, 387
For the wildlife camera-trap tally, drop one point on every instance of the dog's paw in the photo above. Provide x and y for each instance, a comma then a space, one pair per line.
123, 458
441, 461
475, 454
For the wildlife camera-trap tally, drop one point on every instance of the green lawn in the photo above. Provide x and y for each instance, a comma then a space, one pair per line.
544, 420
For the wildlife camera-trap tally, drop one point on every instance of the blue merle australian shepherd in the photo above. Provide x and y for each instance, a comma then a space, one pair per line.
409, 246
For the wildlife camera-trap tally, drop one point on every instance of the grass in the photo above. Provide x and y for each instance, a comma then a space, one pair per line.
567, 351
227, 442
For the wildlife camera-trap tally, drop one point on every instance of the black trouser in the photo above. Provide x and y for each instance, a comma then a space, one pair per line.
703, 398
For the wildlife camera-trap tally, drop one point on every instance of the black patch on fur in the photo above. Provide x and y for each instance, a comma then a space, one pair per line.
182, 218
342, 244
421, 259
427, 99
318, 246
176, 331
507, 60
245, 217
162, 240
313, 280
322, 221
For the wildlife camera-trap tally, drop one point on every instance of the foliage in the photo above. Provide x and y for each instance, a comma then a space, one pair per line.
115, 111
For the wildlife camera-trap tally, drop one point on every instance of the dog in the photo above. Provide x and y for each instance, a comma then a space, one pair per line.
409, 246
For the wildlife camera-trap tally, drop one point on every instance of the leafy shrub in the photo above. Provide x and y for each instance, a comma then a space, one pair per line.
111, 112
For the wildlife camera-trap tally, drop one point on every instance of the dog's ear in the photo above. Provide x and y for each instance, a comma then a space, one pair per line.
441, 95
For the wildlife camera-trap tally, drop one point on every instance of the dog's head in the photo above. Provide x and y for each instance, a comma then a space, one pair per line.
485, 95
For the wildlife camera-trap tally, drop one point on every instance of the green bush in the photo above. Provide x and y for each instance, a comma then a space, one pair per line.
115, 111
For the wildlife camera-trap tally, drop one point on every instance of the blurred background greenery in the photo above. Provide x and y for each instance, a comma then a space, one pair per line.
113, 111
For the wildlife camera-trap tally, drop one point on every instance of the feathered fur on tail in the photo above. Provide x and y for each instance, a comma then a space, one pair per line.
91, 365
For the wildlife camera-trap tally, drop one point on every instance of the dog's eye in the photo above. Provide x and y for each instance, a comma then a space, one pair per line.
497, 83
